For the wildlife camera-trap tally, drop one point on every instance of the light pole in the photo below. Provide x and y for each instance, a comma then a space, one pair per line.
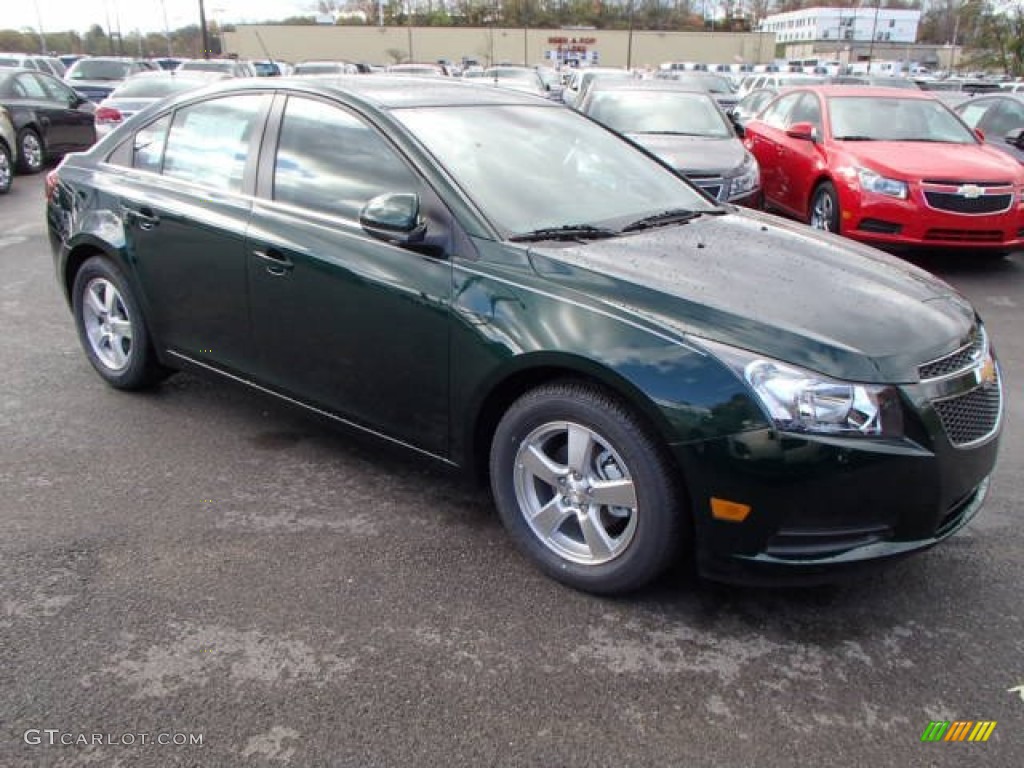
202, 28
42, 35
629, 40
874, 29
167, 30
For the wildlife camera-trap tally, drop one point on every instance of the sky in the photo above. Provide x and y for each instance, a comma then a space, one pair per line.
144, 15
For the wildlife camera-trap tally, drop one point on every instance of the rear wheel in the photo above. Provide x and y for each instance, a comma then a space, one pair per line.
30, 151
6, 169
584, 489
825, 208
111, 327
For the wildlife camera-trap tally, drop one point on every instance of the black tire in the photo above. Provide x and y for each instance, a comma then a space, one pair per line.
31, 151
824, 209
6, 169
642, 540
102, 317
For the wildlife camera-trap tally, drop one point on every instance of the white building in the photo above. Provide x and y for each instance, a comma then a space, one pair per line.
887, 25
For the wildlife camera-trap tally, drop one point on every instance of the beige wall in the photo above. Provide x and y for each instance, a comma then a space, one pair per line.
484, 44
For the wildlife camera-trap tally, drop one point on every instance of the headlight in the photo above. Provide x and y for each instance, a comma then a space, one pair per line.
798, 400
748, 180
872, 182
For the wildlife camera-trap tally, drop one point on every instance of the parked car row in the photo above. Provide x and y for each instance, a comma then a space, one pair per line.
644, 375
678, 117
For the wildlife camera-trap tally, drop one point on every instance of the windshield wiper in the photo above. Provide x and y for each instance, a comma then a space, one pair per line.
855, 138
675, 216
566, 232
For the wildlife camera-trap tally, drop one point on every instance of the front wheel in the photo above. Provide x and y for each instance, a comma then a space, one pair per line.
825, 208
111, 327
585, 490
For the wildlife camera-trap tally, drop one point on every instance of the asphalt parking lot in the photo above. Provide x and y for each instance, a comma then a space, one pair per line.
198, 563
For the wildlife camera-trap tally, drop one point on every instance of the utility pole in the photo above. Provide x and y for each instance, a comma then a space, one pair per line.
202, 26
874, 30
42, 35
629, 40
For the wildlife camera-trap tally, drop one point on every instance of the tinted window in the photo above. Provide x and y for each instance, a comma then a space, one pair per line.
29, 87
209, 142
99, 69
1007, 116
775, 115
56, 89
668, 112
972, 112
328, 160
807, 110
148, 149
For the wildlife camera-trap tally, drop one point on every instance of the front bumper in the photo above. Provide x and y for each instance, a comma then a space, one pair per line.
822, 506
894, 224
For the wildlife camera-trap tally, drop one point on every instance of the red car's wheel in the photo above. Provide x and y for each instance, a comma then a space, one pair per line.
825, 208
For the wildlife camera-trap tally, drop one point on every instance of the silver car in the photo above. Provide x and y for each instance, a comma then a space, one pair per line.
8, 152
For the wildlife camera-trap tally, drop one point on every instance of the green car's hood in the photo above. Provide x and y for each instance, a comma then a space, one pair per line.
776, 287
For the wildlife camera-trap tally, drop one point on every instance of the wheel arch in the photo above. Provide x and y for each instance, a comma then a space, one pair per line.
80, 252
539, 369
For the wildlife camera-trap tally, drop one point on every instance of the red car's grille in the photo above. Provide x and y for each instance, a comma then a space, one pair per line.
957, 203
965, 235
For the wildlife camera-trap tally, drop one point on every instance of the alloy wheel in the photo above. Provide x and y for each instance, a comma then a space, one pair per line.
108, 325
32, 151
576, 493
823, 212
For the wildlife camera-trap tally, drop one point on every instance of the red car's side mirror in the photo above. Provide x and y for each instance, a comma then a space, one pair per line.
804, 131
979, 134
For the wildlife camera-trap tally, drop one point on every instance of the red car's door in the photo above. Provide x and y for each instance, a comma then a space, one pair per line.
765, 138
800, 159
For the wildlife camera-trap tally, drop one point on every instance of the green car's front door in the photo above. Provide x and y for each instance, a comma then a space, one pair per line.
350, 323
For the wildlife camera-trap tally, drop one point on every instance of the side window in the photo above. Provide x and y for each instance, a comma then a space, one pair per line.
1006, 116
973, 112
56, 89
807, 110
209, 142
330, 161
29, 87
775, 115
148, 147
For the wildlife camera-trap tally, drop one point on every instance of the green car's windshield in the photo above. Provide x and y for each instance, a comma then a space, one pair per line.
531, 168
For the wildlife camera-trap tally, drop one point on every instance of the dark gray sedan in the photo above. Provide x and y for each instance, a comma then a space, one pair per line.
1000, 118
685, 128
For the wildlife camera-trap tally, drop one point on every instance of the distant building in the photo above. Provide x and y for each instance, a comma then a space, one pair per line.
884, 25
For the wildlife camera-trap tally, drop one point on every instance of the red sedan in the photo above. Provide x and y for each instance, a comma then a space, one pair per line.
890, 168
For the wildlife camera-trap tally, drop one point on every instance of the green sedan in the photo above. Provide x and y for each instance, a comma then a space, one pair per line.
644, 376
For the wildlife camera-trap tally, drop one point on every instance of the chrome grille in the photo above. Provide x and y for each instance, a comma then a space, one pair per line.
970, 417
963, 358
945, 201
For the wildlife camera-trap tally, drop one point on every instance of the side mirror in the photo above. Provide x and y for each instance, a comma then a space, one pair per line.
394, 218
1016, 138
804, 131
978, 132
736, 124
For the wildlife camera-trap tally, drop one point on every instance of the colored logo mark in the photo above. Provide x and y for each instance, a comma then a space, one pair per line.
958, 730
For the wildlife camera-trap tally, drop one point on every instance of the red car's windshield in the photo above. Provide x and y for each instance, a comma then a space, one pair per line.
875, 118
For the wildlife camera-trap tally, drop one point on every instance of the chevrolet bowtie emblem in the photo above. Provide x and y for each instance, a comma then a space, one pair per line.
971, 191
